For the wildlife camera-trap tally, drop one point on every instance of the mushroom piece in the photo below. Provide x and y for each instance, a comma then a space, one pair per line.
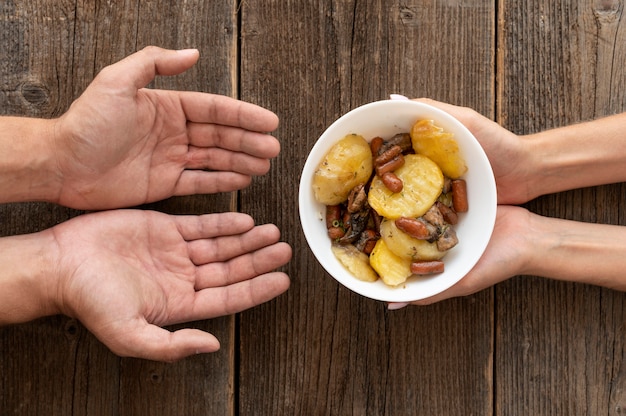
449, 215
403, 140
357, 199
358, 223
366, 241
434, 216
447, 239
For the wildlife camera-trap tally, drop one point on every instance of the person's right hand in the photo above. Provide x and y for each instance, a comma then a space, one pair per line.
505, 150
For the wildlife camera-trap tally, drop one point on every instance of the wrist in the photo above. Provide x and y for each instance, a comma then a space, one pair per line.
540, 160
577, 251
28, 170
577, 156
520, 235
28, 277
538, 241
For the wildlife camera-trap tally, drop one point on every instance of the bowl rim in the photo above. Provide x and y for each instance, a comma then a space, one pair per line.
330, 264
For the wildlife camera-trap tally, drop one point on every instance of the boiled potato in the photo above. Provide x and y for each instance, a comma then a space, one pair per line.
347, 164
422, 184
440, 146
355, 261
407, 247
392, 269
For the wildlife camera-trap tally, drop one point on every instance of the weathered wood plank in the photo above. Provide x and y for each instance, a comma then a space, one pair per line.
560, 346
50, 52
321, 349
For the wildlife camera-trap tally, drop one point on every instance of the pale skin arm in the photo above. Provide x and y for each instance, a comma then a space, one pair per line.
579, 252
127, 273
121, 144
580, 155
524, 243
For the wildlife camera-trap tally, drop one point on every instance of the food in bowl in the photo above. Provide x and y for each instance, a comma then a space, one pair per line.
391, 203
385, 119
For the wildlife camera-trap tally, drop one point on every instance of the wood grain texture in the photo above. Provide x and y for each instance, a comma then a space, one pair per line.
320, 349
560, 346
51, 50
529, 346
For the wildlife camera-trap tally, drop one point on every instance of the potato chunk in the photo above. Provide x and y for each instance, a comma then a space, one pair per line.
392, 269
407, 247
422, 184
440, 146
347, 164
355, 261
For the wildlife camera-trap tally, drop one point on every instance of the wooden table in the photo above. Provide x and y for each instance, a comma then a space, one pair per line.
528, 346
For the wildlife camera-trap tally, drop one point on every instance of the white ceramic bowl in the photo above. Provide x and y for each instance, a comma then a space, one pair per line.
386, 118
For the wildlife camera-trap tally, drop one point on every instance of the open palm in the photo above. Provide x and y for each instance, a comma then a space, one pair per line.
121, 144
127, 273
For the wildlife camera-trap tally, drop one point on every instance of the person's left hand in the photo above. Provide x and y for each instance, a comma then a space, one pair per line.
507, 254
125, 274
121, 144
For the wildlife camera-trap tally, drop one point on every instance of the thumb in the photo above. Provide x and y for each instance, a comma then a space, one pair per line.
158, 344
143, 66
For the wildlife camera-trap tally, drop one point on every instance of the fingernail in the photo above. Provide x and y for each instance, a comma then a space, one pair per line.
398, 97
394, 306
187, 51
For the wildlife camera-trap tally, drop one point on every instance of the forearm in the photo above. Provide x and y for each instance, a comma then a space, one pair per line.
577, 156
27, 166
578, 252
27, 277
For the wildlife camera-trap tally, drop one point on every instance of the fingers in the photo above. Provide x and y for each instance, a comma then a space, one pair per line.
439, 104
194, 227
234, 259
450, 293
231, 251
193, 182
231, 245
154, 343
464, 114
234, 139
137, 70
231, 154
210, 108
225, 160
244, 267
477, 123
220, 301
